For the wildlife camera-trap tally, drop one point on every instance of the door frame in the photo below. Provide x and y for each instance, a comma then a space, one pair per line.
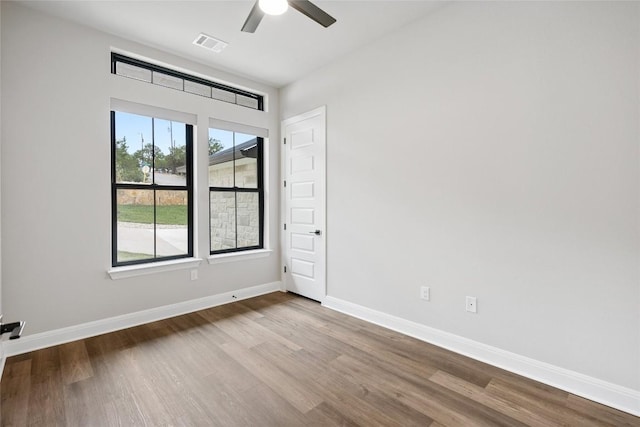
322, 192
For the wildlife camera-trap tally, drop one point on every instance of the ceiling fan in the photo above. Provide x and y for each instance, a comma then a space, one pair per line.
278, 7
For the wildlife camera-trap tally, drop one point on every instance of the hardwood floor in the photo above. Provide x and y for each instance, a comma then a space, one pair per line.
275, 360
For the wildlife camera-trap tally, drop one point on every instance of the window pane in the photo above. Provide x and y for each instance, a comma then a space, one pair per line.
248, 219
167, 80
172, 218
197, 88
223, 220
171, 152
223, 95
135, 224
133, 148
246, 165
133, 72
221, 156
246, 101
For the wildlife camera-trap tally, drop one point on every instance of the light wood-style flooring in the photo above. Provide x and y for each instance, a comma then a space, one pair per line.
275, 360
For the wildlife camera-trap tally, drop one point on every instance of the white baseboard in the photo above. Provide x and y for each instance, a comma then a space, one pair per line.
613, 395
72, 333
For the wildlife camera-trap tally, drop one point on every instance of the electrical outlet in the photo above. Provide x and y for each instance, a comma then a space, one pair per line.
194, 274
425, 293
472, 304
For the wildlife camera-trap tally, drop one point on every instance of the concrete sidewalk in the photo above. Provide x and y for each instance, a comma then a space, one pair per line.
138, 238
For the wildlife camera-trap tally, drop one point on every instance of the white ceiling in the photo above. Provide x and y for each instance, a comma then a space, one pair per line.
283, 49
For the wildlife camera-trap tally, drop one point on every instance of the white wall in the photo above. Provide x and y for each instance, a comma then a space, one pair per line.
56, 176
491, 149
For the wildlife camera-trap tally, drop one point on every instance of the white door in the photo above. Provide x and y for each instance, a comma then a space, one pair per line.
304, 204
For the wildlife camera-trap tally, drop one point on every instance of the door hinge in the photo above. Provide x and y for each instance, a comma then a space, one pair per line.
285, 182
285, 268
285, 227
285, 141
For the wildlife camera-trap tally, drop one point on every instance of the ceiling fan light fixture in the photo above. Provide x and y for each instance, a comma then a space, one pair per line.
274, 7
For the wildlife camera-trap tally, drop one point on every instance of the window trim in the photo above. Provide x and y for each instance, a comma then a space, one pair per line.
239, 256
116, 57
124, 272
189, 140
261, 204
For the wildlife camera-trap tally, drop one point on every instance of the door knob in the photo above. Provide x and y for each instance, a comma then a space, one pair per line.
15, 328
317, 232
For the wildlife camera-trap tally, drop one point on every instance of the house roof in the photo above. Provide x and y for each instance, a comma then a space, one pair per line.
248, 149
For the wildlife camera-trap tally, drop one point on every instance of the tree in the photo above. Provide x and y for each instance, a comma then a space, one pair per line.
215, 145
146, 155
176, 157
127, 167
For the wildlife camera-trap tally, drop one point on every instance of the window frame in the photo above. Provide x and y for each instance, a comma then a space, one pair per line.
259, 190
188, 187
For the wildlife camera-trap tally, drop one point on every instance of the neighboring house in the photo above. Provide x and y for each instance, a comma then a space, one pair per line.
233, 213
221, 164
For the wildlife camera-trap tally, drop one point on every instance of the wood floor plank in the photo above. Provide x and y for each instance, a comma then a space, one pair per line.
302, 335
242, 328
280, 381
221, 403
478, 394
604, 414
311, 372
396, 410
530, 388
268, 408
84, 405
346, 394
74, 362
326, 415
46, 388
275, 360
429, 403
546, 408
16, 386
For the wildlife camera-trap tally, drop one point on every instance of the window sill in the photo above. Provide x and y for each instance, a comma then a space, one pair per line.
239, 256
157, 267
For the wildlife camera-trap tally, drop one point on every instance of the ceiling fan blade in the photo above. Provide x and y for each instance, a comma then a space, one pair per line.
312, 11
253, 20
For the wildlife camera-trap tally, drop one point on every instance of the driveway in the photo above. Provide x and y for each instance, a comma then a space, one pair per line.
138, 238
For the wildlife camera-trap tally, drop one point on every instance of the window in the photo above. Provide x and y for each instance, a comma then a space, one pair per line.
161, 76
236, 195
151, 189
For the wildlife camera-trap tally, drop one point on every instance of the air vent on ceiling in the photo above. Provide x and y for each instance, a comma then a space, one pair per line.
210, 43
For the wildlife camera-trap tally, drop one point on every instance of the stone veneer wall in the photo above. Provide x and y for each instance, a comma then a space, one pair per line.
224, 216
145, 197
223, 208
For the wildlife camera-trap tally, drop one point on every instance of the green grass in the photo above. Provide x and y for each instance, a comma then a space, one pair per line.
143, 214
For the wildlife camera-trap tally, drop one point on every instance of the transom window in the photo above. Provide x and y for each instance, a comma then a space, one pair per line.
236, 195
162, 76
152, 189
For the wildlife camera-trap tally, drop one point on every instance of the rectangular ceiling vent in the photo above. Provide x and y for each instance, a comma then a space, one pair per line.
210, 43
